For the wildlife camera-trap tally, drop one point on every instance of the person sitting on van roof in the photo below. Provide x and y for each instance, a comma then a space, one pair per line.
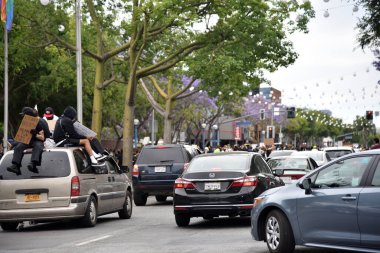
64, 133
39, 134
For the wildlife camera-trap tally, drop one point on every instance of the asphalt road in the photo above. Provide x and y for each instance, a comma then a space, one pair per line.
151, 229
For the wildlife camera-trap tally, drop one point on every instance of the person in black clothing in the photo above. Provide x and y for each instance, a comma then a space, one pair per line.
39, 135
64, 133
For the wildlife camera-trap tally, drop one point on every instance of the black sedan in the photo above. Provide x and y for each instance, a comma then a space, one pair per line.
221, 184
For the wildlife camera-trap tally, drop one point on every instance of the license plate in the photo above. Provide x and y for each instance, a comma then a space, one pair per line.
32, 197
287, 180
160, 169
212, 186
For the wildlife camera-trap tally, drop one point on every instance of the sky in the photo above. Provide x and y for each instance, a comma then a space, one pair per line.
332, 71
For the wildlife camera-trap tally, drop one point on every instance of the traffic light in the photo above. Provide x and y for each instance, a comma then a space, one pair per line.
291, 112
369, 115
270, 132
262, 114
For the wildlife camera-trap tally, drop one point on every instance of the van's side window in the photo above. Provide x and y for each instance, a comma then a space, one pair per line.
82, 163
111, 168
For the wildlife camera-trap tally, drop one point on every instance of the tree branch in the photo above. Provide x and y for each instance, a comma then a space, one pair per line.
184, 89
151, 99
158, 88
186, 95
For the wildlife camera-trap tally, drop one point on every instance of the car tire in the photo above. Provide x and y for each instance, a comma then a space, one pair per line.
161, 198
9, 226
182, 220
140, 199
91, 216
278, 233
126, 212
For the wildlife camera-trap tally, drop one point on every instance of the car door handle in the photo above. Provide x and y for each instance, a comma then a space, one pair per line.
349, 197
109, 179
113, 179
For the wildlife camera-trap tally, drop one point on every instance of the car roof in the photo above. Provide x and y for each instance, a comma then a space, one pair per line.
337, 148
290, 157
229, 153
163, 145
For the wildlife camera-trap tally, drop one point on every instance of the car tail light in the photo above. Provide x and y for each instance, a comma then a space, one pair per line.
135, 171
184, 184
75, 186
246, 181
295, 177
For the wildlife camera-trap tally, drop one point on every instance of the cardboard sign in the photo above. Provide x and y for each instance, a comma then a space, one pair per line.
82, 130
269, 142
51, 124
23, 134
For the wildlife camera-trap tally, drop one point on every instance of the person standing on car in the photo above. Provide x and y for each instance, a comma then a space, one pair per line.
376, 144
39, 134
64, 133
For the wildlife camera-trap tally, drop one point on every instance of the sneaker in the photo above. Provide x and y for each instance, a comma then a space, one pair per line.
98, 164
32, 167
101, 157
15, 169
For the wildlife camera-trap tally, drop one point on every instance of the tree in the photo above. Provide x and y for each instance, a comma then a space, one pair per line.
369, 25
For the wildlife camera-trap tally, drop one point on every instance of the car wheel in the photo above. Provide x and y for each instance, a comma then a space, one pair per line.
91, 216
126, 212
278, 233
161, 198
140, 199
182, 220
9, 226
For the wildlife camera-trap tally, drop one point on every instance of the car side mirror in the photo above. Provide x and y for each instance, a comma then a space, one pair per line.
306, 185
278, 172
124, 169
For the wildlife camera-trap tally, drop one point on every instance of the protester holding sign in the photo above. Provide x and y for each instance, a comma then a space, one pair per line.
31, 134
65, 133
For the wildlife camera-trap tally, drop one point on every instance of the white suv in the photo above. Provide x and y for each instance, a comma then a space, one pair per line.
65, 187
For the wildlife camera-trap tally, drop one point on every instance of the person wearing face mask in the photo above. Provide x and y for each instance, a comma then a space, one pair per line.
39, 134
65, 133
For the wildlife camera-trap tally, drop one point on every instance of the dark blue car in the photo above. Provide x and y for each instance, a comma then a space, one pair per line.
336, 206
156, 169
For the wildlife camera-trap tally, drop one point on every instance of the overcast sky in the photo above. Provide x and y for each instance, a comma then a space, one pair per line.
332, 71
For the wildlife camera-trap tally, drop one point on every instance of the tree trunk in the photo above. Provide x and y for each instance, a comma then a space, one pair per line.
129, 110
96, 125
168, 122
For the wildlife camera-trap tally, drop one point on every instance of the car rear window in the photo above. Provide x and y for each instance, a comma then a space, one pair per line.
53, 164
333, 154
160, 155
219, 163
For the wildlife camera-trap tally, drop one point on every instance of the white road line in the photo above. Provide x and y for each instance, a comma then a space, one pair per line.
93, 240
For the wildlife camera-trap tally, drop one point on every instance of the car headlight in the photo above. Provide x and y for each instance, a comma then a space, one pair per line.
258, 200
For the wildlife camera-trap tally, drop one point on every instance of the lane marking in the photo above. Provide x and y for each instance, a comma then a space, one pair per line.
93, 240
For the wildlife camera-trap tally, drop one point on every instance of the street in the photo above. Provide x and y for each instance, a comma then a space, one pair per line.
151, 229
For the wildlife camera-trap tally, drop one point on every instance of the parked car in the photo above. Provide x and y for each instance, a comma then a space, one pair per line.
221, 184
65, 187
336, 152
156, 169
291, 168
335, 206
320, 157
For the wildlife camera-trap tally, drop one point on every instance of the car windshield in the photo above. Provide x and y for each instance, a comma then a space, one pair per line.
53, 164
280, 153
333, 154
219, 163
160, 155
317, 156
288, 163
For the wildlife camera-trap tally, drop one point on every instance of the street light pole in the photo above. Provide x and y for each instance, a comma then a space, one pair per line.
79, 58
215, 138
136, 122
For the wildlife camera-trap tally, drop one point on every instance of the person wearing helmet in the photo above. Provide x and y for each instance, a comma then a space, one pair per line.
64, 133
39, 135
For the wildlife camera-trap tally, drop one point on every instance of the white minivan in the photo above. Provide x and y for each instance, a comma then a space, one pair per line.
66, 186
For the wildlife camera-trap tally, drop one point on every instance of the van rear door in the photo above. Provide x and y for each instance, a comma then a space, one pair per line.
50, 187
